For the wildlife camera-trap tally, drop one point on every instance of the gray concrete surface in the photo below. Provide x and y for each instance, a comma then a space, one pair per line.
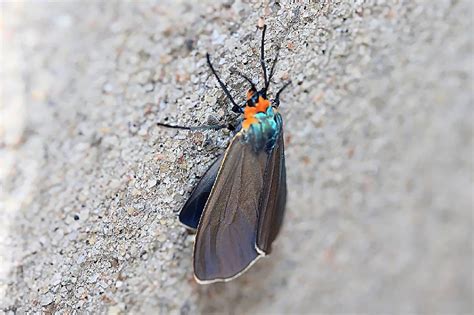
379, 150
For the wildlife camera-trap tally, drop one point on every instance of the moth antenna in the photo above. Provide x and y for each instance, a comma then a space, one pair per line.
236, 108
246, 78
262, 55
272, 69
277, 96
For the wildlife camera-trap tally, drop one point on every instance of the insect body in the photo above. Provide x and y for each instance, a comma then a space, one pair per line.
262, 124
238, 205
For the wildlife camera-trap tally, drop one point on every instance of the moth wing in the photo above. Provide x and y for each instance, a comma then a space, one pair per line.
192, 209
273, 199
227, 231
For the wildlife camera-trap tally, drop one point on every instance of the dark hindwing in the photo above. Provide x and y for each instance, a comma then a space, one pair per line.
227, 231
273, 200
192, 209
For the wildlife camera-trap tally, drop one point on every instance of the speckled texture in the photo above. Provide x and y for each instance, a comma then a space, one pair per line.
378, 128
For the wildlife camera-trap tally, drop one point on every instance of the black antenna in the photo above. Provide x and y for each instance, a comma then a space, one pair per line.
277, 96
236, 108
272, 69
262, 56
245, 77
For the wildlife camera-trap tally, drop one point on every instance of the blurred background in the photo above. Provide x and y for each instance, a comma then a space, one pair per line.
378, 132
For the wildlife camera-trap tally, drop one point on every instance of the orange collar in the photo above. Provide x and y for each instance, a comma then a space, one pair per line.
250, 111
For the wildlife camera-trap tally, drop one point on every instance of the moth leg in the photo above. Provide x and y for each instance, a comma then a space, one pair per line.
277, 96
192, 128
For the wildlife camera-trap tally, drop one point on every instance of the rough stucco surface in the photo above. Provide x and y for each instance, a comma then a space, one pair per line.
378, 126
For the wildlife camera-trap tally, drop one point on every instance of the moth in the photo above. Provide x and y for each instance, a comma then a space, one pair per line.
237, 207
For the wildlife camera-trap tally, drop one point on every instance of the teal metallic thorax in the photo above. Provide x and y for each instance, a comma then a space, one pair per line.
264, 133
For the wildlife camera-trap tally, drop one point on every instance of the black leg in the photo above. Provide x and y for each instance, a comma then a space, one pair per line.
277, 96
262, 56
210, 127
235, 108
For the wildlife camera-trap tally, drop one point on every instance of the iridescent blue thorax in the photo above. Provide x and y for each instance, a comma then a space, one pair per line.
262, 125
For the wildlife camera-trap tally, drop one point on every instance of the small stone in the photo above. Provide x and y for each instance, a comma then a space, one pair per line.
210, 99
149, 87
93, 278
151, 183
114, 310
47, 299
82, 147
114, 184
143, 131
133, 128
108, 88
82, 258
80, 304
56, 279
161, 238
131, 211
79, 292
336, 163
144, 76
92, 239
84, 214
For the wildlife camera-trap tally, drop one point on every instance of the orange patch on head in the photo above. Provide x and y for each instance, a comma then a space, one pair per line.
262, 104
250, 111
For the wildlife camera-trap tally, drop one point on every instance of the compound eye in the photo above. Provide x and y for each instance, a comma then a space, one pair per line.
255, 98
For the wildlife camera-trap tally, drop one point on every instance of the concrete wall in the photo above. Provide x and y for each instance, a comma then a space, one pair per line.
378, 130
